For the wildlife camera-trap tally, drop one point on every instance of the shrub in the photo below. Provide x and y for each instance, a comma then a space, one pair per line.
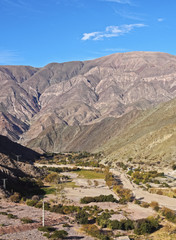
156, 181
160, 192
82, 217
26, 220
39, 205
154, 205
15, 197
169, 214
58, 234
46, 235
31, 202
47, 229
35, 198
66, 225
125, 195
12, 216
64, 209
145, 204
136, 201
101, 198
125, 224
148, 225
174, 166
103, 219
3, 213
95, 232
52, 177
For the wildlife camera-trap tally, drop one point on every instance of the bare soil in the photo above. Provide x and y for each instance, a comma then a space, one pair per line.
13, 229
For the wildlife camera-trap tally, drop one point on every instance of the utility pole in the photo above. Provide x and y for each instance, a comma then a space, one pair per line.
4, 182
18, 157
43, 214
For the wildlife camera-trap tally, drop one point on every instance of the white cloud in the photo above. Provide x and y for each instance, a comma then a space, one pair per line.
160, 19
111, 31
87, 36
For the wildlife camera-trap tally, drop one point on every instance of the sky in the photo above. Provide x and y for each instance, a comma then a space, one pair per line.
38, 32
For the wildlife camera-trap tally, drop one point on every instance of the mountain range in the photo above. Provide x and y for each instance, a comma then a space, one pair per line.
106, 104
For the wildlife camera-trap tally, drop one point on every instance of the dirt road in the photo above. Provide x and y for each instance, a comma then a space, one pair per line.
144, 195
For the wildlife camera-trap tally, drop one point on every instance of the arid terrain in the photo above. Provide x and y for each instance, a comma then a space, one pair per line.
94, 148
81, 193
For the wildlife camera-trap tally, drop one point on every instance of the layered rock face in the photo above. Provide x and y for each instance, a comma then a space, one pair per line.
39, 105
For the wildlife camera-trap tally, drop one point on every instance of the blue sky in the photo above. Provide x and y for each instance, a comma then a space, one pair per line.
37, 32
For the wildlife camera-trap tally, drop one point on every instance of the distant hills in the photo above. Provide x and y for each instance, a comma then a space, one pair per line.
106, 104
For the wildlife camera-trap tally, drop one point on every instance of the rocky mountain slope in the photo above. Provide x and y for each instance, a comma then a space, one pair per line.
59, 106
150, 138
145, 136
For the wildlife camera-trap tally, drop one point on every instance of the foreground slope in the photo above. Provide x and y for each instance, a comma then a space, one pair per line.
16, 162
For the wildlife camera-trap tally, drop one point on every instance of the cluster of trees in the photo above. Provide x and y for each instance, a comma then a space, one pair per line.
104, 222
82, 217
148, 225
59, 208
78, 158
61, 169
101, 198
92, 214
139, 176
109, 178
54, 177
124, 194
140, 227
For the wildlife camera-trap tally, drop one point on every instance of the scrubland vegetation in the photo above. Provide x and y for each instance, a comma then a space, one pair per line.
95, 221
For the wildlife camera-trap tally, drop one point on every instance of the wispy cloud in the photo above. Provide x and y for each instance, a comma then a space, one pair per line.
160, 19
119, 1
111, 31
21, 5
129, 15
17, 3
76, 3
9, 57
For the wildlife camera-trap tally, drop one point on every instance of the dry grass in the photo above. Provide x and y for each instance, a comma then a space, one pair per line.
168, 232
91, 174
169, 192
